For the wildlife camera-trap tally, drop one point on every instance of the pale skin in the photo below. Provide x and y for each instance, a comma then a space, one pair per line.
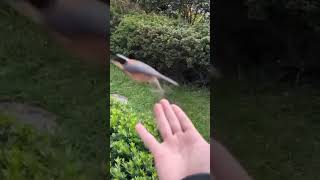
183, 151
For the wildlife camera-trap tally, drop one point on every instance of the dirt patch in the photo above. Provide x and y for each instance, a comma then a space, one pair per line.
37, 117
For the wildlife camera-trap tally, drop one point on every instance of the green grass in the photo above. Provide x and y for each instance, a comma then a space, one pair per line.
33, 69
275, 136
194, 101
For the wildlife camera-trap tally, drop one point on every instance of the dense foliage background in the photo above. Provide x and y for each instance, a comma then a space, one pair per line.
177, 45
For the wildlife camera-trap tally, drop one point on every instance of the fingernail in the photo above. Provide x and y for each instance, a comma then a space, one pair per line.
157, 105
164, 101
138, 124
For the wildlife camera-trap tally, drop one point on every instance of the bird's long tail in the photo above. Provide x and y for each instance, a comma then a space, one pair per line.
168, 79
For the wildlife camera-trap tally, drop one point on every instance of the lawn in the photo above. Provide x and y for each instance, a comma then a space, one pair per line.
274, 132
194, 101
35, 70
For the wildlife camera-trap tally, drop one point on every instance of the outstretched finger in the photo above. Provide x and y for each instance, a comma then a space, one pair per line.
184, 120
162, 122
171, 117
148, 139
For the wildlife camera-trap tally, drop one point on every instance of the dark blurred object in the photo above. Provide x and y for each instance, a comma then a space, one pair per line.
81, 26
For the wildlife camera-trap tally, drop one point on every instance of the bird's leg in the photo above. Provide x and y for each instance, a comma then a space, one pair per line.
155, 82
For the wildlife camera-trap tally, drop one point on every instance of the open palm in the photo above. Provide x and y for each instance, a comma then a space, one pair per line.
183, 151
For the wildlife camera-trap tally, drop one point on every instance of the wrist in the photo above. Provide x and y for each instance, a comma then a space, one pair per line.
198, 176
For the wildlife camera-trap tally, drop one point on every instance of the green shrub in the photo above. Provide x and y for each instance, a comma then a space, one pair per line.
167, 44
129, 158
26, 154
120, 8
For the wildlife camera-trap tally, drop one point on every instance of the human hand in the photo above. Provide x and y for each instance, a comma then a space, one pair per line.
183, 151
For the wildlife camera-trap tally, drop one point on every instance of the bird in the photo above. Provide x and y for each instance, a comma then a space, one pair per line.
141, 72
80, 26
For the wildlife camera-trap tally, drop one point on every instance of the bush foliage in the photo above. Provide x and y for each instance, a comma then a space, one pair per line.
26, 154
129, 158
167, 44
191, 11
119, 8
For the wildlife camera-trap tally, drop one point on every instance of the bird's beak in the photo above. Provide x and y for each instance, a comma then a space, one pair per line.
123, 57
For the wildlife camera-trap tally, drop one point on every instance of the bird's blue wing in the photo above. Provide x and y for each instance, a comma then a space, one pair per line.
141, 68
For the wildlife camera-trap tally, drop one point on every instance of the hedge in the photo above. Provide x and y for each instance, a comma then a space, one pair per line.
119, 8
27, 154
171, 46
129, 158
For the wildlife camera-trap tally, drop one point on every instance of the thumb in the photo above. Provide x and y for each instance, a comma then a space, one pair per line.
148, 139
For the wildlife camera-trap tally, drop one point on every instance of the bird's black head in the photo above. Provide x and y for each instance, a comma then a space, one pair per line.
120, 60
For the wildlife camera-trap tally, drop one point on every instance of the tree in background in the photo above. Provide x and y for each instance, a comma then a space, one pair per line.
190, 10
